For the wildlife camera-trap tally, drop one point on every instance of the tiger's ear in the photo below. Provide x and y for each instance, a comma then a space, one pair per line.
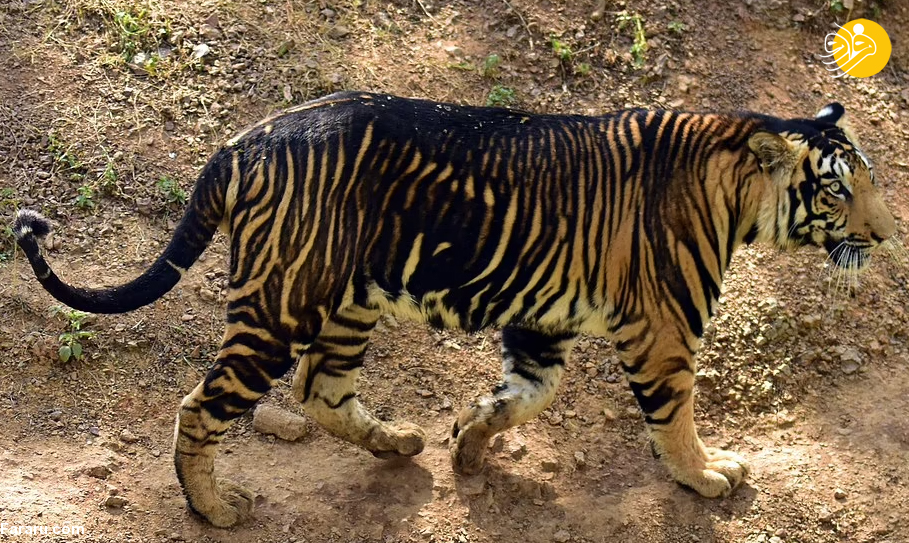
835, 114
773, 151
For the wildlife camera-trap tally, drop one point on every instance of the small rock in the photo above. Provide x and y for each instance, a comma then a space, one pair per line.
201, 51
209, 32
186, 317
562, 536
338, 31
579, 459
775, 539
279, 423
55, 415
849, 367
473, 486
839, 494
98, 472
597, 13
169, 126
115, 502
609, 414
28, 476
550, 466
454, 51
328, 13
425, 393
517, 449
798, 18
128, 437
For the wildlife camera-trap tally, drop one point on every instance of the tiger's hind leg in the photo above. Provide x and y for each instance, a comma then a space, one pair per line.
533, 363
250, 359
326, 380
661, 372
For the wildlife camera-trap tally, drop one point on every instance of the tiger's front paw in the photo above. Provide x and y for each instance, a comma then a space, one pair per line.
717, 476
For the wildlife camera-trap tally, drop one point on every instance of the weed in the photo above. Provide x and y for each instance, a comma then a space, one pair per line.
635, 22
107, 180
172, 190
501, 96
85, 197
582, 69
71, 340
677, 27
66, 158
837, 7
561, 49
463, 65
491, 65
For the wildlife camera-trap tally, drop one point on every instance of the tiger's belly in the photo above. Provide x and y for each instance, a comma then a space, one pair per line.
471, 311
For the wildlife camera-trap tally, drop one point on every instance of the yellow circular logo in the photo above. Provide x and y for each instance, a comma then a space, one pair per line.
861, 48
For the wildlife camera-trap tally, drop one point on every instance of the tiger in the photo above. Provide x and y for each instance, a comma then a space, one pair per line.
357, 204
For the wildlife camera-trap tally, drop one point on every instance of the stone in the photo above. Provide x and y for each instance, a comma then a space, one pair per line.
201, 51
116, 502
562, 536
282, 424
338, 31
98, 472
128, 437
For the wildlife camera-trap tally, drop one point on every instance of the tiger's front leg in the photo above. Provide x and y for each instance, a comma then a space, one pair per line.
661, 372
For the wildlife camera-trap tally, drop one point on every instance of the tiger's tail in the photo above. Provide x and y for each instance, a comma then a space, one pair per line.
201, 219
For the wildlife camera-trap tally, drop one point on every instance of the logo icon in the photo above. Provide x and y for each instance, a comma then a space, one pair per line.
860, 48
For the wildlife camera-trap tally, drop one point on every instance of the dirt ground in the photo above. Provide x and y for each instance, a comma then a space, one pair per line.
109, 108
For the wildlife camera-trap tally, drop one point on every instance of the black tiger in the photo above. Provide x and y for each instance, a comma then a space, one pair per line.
355, 205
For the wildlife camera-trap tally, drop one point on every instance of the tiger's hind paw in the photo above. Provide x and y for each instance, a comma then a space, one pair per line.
401, 439
232, 504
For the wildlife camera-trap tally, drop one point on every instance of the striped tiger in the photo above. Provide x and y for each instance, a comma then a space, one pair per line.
356, 205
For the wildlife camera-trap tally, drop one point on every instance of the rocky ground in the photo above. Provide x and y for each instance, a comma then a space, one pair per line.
109, 108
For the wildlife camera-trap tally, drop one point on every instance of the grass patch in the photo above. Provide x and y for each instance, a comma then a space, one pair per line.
172, 191
501, 96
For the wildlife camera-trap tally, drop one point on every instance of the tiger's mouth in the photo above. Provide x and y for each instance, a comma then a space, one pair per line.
849, 255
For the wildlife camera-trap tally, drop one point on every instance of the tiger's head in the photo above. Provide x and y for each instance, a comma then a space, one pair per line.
823, 188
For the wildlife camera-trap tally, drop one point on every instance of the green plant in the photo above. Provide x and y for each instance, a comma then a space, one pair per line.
561, 49
107, 179
66, 158
491, 65
837, 7
677, 27
172, 190
583, 69
635, 22
84, 198
71, 340
501, 96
